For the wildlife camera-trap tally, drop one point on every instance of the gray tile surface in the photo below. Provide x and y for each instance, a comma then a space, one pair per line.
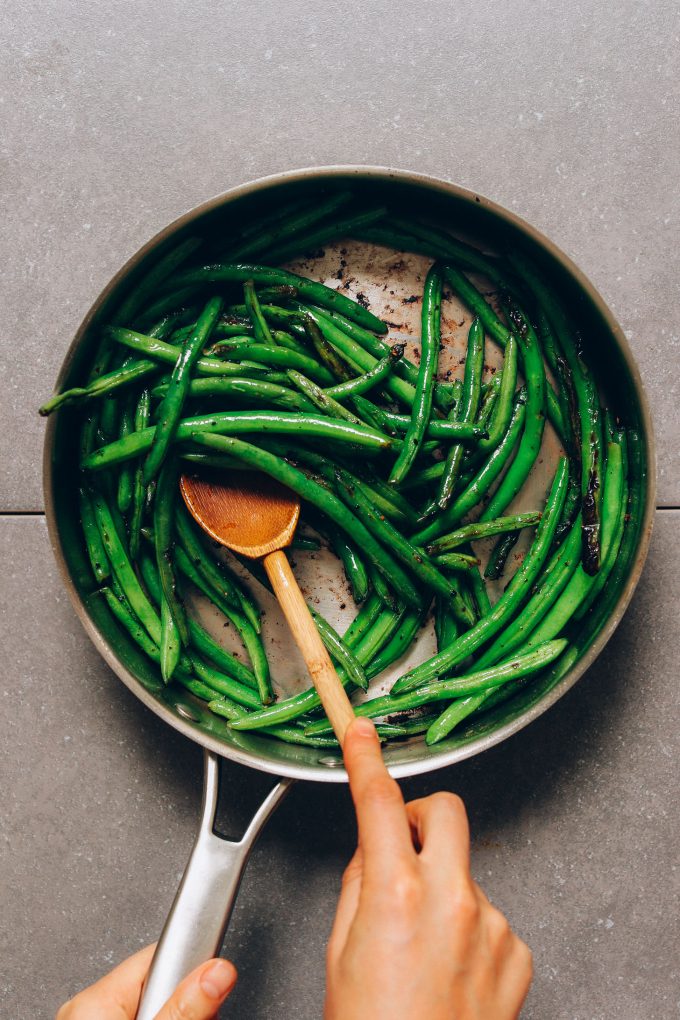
574, 820
116, 119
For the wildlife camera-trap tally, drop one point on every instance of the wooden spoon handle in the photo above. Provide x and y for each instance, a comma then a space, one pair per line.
325, 679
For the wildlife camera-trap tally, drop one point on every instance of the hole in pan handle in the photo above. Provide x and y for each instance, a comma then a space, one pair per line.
198, 918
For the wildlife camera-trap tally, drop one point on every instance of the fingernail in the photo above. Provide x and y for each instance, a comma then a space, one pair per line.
363, 727
217, 979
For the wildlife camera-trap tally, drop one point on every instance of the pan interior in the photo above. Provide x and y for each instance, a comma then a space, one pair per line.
391, 282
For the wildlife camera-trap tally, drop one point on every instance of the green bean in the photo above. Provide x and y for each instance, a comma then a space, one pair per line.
96, 550
465, 412
479, 485
370, 379
415, 559
551, 583
259, 391
445, 626
199, 639
339, 651
378, 635
509, 602
163, 268
365, 618
238, 422
279, 357
610, 556
169, 354
534, 420
317, 293
325, 232
163, 527
247, 632
104, 384
480, 595
260, 328
171, 643
368, 343
449, 247
422, 404
500, 333
398, 644
225, 685
321, 400
478, 530
460, 687
456, 561
382, 589
259, 243
454, 431
218, 579
324, 501
581, 581
170, 410
499, 555
354, 567
142, 419
123, 614
283, 711
588, 410
125, 479
122, 569
333, 361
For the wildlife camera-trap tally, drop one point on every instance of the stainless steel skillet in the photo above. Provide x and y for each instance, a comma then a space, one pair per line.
199, 915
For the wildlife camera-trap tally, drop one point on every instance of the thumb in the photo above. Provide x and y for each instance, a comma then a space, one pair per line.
202, 993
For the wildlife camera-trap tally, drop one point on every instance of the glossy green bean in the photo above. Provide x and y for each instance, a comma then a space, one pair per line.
534, 419
429, 357
279, 357
343, 226
317, 293
370, 379
123, 570
459, 687
142, 419
499, 555
96, 550
288, 226
169, 354
170, 410
282, 422
479, 485
257, 391
478, 530
509, 602
465, 412
416, 560
164, 539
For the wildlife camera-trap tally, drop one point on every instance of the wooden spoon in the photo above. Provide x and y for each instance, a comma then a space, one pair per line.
256, 516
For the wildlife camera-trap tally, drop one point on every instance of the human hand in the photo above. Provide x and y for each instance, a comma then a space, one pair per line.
116, 996
414, 936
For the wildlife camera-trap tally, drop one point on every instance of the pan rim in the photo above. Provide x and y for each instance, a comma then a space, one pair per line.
433, 760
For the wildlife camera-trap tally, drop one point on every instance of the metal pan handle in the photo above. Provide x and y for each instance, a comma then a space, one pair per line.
199, 915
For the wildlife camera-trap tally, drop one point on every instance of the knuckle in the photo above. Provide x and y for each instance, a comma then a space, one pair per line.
405, 893
465, 906
178, 1009
449, 801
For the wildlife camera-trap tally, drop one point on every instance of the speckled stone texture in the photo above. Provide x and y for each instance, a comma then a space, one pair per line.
116, 120
574, 821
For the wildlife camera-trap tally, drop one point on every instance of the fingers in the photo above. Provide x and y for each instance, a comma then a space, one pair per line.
115, 996
440, 828
347, 905
384, 833
201, 994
